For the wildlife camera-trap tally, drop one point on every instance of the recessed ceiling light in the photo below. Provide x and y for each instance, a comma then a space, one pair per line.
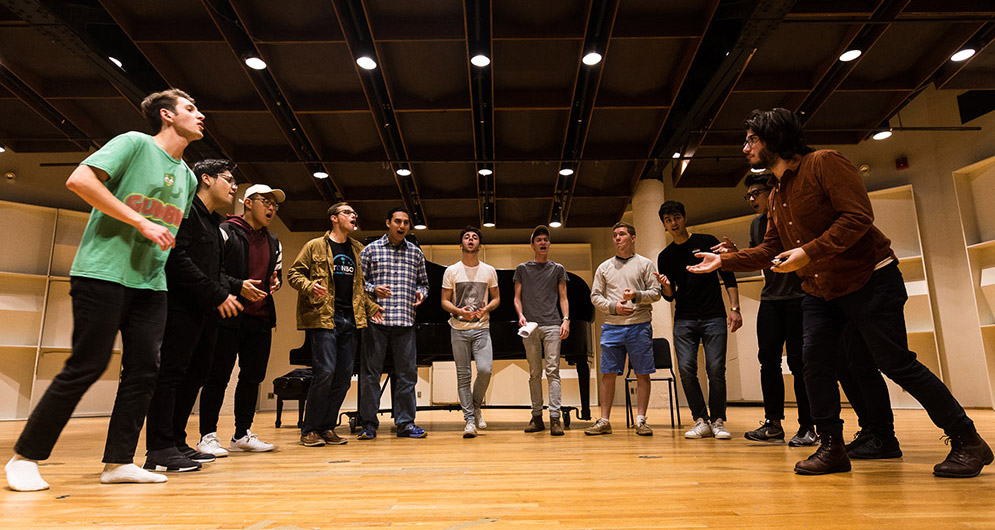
485, 172
116, 62
850, 55
677, 155
566, 172
403, 172
255, 63
320, 175
963, 55
366, 63
757, 170
480, 60
592, 58
881, 135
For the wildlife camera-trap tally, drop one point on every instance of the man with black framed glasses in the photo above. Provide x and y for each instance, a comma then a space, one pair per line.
252, 252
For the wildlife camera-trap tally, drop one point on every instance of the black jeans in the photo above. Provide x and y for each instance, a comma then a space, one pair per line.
864, 385
333, 352
188, 336
100, 309
400, 340
779, 328
876, 312
250, 344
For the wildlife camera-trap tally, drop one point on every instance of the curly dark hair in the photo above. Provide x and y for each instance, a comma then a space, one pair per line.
780, 130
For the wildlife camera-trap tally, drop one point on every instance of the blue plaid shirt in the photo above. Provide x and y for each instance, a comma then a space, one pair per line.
402, 269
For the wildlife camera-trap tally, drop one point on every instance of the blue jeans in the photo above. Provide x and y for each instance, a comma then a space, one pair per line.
475, 342
710, 332
876, 312
401, 342
333, 352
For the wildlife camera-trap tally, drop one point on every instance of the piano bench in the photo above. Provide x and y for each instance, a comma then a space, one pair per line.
293, 385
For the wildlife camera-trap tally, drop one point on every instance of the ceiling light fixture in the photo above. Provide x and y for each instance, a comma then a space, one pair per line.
254, 62
850, 55
566, 172
320, 174
419, 218
480, 60
963, 55
489, 215
556, 218
592, 58
881, 135
403, 172
485, 172
116, 62
677, 155
366, 63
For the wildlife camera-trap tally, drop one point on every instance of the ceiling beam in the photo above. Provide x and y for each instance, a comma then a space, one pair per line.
477, 21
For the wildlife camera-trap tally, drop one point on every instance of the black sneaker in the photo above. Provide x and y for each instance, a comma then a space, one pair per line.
197, 456
170, 460
867, 445
805, 437
768, 432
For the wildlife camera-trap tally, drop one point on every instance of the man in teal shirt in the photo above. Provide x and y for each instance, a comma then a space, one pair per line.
140, 190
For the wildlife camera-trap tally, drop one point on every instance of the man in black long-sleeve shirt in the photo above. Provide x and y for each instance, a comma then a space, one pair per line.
700, 318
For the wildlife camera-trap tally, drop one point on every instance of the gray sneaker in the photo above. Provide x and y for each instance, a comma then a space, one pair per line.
719, 430
478, 417
470, 431
805, 437
600, 427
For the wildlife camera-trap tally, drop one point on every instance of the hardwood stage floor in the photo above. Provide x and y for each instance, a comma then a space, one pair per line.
506, 478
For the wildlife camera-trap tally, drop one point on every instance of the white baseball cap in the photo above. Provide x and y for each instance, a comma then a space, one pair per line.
263, 189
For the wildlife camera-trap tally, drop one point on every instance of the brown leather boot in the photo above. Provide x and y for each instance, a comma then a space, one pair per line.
830, 457
536, 425
555, 427
968, 454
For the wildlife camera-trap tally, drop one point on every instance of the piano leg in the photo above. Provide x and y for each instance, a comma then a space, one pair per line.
584, 382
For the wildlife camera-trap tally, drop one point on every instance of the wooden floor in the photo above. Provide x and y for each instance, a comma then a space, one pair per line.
505, 478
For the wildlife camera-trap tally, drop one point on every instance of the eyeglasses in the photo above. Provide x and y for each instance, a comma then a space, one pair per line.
229, 179
752, 196
750, 140
347, 212
266, 203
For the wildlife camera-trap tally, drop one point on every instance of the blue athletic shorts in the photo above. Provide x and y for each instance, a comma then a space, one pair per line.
636, 339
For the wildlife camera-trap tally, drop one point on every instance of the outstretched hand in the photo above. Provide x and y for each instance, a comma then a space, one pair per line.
709, 263
725, 246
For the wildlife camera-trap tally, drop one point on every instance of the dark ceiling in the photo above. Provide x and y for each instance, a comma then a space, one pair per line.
678, 77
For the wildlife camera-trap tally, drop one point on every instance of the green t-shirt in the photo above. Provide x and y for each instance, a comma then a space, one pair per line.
154, 184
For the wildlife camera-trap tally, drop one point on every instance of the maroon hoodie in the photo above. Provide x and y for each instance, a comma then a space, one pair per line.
259, 255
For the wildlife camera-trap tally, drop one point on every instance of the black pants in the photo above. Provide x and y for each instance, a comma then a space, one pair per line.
864, 385
779, 328
188, 336
876, 312
250, 344
100, 309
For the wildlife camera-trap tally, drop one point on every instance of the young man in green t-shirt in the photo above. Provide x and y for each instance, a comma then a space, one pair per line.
140, 190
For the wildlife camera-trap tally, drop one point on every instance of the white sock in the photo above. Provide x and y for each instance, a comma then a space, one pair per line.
23, 475
129, 474
604, 418
640, 419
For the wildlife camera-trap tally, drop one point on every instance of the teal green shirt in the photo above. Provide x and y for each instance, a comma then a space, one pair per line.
154, 184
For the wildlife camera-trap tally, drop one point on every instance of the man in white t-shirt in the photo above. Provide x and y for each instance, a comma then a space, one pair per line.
469, 294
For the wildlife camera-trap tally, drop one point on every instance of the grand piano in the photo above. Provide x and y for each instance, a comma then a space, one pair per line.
433, 338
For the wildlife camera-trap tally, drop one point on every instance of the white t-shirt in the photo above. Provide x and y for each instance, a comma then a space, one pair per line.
470, 289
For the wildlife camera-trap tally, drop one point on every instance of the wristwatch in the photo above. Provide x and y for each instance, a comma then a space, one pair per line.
566, 318
736, 309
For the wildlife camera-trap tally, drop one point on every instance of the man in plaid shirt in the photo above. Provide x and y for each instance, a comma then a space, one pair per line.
396, 279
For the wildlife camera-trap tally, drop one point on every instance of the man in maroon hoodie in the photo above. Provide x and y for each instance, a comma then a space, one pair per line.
251, 252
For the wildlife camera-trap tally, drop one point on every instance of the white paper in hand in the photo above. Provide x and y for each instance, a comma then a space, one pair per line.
527, 329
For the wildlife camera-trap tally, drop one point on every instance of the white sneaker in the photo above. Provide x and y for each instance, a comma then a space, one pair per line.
701, 429
478, 416
250, 442
470, 431
719, 430
211, 445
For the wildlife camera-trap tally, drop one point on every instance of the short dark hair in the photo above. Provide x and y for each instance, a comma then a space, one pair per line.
671, 208
540, 230
212, 167
758, 179
157, 101
780, 130
336, 208
473, 229
628, 228
390, 214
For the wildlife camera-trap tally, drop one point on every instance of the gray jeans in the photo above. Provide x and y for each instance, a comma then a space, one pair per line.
544, 338
475, 342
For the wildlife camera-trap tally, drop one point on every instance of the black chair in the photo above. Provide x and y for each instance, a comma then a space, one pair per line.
664, 372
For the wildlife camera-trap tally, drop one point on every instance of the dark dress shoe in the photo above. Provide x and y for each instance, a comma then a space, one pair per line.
536, 425
830, 457
968, 454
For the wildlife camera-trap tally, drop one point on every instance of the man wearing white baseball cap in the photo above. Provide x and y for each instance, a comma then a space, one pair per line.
251, 251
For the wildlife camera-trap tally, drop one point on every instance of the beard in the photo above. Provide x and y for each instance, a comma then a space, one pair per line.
767, 159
